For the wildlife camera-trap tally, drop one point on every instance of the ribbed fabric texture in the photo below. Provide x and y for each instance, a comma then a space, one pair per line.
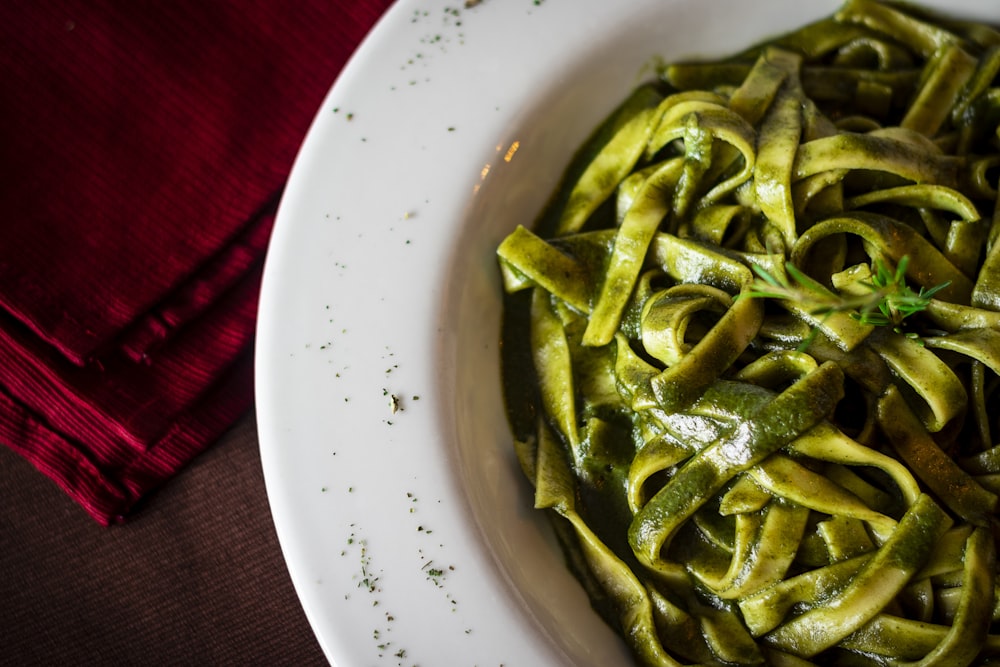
145, 145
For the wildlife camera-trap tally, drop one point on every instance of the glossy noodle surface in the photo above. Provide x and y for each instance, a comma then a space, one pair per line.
752, 351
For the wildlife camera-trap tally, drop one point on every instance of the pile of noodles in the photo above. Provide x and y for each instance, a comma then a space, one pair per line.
747, 480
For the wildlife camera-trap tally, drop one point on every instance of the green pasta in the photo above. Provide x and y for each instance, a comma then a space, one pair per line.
751, 351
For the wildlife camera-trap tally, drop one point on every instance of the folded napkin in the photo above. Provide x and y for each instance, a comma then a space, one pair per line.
144, 147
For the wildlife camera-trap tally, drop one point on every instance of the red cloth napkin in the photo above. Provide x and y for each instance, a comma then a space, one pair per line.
144, 147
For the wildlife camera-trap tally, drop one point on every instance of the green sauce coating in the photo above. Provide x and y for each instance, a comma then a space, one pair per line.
751, 351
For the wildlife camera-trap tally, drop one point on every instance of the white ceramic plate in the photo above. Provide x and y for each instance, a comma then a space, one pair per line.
408, 532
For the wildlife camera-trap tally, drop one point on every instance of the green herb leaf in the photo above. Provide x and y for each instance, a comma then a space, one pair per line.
889, 301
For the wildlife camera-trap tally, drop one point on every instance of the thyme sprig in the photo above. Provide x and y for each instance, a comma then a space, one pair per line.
887, 302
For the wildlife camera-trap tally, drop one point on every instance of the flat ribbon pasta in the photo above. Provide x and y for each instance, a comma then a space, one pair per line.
752, 351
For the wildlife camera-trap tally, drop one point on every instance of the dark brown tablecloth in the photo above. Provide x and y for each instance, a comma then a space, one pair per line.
195, 578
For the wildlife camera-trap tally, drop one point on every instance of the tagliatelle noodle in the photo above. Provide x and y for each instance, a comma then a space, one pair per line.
738, 478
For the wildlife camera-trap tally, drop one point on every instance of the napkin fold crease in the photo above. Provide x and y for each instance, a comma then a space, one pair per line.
200, 291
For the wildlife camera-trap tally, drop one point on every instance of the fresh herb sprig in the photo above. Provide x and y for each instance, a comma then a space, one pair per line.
888, 301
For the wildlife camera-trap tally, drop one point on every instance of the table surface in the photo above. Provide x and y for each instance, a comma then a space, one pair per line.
195, 577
